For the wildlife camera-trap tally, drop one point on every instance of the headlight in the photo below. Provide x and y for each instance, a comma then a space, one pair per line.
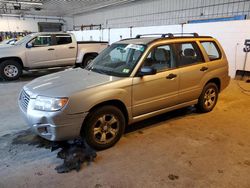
49, 104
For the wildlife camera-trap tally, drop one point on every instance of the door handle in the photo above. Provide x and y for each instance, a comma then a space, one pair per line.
204, 69
171, 76
50, 49
71, 47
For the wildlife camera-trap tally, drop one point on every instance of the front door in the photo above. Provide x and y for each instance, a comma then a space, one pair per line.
155, 92
42, 53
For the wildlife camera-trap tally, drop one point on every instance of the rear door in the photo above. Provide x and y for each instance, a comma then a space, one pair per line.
65, 50
159, 91
42, 53
193, 69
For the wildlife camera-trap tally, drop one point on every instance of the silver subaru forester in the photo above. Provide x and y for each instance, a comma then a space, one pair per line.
131, 80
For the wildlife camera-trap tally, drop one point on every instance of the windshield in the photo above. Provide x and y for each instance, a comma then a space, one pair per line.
117, 60
24, 39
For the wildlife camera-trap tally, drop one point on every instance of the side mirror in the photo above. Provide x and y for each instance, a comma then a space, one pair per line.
29, 45
147, 71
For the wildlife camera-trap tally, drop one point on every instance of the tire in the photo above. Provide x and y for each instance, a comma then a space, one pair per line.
104, 127
10, 70
87, 60
208, 98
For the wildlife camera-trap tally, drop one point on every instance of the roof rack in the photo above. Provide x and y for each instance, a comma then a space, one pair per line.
163, 35
185, 34
169, 35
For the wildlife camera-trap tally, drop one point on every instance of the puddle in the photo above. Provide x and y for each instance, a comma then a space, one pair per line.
29, 138
74, 153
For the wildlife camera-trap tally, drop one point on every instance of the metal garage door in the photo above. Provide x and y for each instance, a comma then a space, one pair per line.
49, 27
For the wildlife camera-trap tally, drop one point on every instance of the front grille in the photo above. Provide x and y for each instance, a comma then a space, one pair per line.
24, 100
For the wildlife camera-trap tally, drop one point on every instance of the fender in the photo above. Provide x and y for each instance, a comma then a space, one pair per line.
89, 48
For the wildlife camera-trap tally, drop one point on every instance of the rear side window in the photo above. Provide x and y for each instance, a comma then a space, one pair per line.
212, 50
63, 39
188, 53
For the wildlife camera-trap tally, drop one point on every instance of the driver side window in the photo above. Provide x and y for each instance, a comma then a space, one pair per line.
41, 41
161, 58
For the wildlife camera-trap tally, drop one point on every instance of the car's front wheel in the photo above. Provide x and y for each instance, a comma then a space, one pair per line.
10, 70
104, 127
208, 98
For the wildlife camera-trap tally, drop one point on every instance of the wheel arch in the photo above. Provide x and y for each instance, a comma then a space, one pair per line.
216, 81
117, 103
89, 54
18, 59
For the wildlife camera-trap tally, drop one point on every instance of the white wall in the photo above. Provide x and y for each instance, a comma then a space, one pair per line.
114, 35
162, 12
68, 24
231, 35
30, 24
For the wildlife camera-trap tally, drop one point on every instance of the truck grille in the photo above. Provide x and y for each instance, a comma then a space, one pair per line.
24, 100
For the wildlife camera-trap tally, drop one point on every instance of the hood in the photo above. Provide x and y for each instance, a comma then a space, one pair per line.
8, 49
65, 83
5, 45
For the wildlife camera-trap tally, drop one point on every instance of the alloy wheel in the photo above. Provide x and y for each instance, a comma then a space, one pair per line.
210, 98
106, 128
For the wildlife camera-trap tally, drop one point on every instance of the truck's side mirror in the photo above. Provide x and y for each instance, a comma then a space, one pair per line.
29, 45
147, 71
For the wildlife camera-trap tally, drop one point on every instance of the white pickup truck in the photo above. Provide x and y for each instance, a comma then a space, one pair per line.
46, 50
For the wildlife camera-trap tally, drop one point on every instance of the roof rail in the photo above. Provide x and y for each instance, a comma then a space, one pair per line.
185, 34
163, 35
170, 35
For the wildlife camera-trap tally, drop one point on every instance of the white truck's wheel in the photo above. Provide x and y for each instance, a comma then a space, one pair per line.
87, 60
10, 70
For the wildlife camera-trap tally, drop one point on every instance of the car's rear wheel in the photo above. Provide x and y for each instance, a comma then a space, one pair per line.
208, 98
87, 60
104, 127
10, 70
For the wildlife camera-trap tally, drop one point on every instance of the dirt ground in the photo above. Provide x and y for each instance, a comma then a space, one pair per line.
177, 149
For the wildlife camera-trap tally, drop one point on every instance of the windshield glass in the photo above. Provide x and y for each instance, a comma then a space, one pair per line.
117, 60
24, 39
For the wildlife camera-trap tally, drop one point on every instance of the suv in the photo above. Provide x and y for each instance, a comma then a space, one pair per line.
130, 81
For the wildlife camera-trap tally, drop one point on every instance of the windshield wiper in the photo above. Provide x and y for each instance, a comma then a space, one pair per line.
98, 71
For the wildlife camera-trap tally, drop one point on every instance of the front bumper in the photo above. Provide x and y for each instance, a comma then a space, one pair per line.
53, 126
